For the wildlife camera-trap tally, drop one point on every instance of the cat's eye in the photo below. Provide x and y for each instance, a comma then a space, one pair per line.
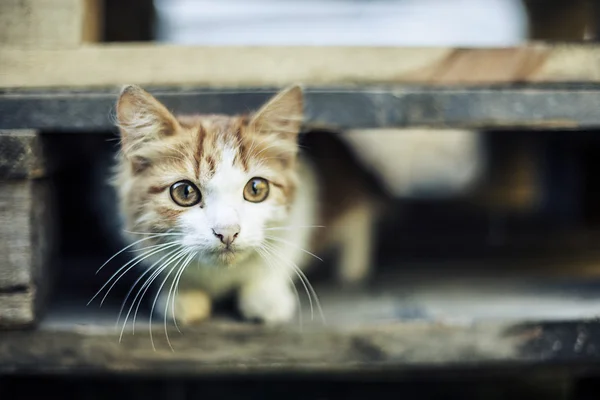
185, 194
256, 190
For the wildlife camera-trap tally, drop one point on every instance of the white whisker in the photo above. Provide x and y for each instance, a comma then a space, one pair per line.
292, 227
152, 278
125, 248
154, 274
293, 245
264, 253
172, 292
304, 279
155, 234
180, 255
176, 290
136, 260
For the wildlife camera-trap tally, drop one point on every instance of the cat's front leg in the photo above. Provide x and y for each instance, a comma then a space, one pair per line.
188, 307
268, 298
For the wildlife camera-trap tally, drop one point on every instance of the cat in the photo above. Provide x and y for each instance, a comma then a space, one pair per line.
218, 205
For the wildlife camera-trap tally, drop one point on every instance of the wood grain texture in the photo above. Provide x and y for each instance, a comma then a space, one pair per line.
226, 347
219, 348
26, 227
17, 309
410, 319
26, 248
48, 23
148, 64
21, 155
414, 318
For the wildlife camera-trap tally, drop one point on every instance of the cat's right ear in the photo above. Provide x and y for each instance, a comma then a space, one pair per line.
142, 119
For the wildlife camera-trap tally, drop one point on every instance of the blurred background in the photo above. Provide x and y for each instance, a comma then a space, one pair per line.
465, 23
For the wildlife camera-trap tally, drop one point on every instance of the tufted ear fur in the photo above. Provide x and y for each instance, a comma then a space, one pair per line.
142, 119
281, 115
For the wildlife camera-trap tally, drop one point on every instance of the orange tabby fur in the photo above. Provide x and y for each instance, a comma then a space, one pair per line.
218, 153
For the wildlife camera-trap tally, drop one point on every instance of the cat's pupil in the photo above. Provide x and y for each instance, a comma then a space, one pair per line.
254, 187
187, 191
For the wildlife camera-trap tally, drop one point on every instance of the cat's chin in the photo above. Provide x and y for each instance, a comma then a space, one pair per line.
227, 258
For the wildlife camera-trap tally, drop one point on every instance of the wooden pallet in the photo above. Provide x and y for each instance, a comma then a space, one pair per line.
54, 80
26, 238
401, 324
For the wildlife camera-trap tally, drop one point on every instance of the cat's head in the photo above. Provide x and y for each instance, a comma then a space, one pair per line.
211, 184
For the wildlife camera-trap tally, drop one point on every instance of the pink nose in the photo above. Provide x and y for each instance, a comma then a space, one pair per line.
227, 234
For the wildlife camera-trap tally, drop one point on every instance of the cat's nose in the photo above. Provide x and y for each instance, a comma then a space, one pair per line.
227, 234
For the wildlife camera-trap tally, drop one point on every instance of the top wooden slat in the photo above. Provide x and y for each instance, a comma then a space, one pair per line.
147, 64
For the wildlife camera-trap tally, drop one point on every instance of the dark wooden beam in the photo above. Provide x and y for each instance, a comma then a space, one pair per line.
532, 107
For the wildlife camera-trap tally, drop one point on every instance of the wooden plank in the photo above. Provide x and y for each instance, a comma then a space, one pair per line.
21, 155
26, 249
15, 234
531, 107
48, 23
225, 347
420, 315
148, 64
26, 228
25, 206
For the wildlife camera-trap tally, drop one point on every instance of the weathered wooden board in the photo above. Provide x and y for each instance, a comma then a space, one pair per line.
16, 247
222, 347
26, 228
419, 315
242, 348
148, 64
26, 249
21, 155
26, 246
531, 107
49, 23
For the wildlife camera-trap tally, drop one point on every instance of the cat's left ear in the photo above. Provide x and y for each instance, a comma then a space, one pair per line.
282, 115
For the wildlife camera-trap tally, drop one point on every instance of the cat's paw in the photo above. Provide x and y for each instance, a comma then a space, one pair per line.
270, 301
191, 306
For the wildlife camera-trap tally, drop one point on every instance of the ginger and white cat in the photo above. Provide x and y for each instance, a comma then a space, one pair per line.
223, 205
